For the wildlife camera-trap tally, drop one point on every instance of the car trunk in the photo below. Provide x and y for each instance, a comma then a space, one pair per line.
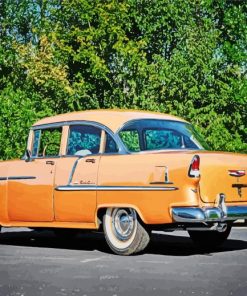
223, 173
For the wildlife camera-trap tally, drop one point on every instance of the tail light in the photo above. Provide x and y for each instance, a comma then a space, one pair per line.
194, 170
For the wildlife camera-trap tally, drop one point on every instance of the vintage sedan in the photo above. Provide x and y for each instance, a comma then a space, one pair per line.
126, 173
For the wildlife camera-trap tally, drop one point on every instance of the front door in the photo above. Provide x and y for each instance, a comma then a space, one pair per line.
31, 183
30, 190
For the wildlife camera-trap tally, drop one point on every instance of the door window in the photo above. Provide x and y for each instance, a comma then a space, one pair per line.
83, 140
110, 146
47, 142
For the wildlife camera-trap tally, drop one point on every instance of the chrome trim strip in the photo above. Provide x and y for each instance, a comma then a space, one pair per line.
21, 178
73, 169
113, 188
17, 178
160, 183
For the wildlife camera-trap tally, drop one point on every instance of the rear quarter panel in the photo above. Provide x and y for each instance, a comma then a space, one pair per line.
147, 170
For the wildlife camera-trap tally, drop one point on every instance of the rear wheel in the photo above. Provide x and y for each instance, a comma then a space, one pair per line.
123, 232
209, 239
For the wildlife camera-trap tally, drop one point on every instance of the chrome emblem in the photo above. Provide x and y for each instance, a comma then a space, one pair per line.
236, 173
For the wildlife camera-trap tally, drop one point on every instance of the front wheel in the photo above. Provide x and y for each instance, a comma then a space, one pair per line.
209, 239
123, 232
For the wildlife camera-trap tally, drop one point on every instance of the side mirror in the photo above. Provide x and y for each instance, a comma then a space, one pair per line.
27, 156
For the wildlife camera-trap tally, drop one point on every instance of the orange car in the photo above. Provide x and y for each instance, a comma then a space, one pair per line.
126, 172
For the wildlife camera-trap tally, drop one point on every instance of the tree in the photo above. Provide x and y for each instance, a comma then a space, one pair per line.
187, 58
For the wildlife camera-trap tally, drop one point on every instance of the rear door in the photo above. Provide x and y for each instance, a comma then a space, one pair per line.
76, 185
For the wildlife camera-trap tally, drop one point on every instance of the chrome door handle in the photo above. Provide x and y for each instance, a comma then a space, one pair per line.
51, 162
92, 160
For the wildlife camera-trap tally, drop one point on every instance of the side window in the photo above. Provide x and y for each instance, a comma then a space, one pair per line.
166, 139
110, 146
83, 140
131, 140
36, 139
162, 139
47, 142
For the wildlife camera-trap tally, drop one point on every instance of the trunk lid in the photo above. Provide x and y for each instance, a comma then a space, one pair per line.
223, 172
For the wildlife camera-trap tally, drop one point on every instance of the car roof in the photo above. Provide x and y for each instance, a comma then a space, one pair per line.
113, 119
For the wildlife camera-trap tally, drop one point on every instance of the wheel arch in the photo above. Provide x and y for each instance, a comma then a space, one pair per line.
101, 210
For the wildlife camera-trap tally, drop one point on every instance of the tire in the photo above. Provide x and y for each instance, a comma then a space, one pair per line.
123, 232
209, 239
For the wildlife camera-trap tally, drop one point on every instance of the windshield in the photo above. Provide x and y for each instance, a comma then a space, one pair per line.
153, 134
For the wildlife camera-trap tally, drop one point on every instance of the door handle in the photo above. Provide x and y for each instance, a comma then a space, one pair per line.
92, 160
51, 162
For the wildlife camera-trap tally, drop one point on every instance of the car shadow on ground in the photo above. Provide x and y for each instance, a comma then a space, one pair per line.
176, 245
160, 244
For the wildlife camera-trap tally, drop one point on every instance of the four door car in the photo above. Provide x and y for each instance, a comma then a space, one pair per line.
125, 173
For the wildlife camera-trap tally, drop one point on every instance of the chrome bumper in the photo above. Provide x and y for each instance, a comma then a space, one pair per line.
209, 214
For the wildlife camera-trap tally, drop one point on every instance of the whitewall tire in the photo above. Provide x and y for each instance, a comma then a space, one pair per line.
123, 232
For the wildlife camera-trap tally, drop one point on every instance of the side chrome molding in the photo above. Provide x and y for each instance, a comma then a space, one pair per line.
113, 188
17, 178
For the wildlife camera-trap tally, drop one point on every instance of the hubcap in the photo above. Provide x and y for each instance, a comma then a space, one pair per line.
123, 223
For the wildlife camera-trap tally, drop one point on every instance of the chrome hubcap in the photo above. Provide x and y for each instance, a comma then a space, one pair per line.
123, 223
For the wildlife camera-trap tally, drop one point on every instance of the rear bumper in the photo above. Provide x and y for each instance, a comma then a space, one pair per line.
208, 214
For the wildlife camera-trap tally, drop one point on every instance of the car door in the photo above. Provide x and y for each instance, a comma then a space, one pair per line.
31, 182
76, 185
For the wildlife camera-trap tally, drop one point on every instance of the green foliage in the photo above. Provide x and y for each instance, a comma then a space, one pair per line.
187, 58
131, 140
50, 142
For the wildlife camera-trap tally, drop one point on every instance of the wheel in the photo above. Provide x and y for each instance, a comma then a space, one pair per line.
123, 232
209, 239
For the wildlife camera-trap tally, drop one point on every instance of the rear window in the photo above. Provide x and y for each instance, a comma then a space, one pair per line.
152, 134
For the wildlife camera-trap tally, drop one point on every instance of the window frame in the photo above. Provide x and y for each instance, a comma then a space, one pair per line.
127, 126
65, 125
31, 142
68, 138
